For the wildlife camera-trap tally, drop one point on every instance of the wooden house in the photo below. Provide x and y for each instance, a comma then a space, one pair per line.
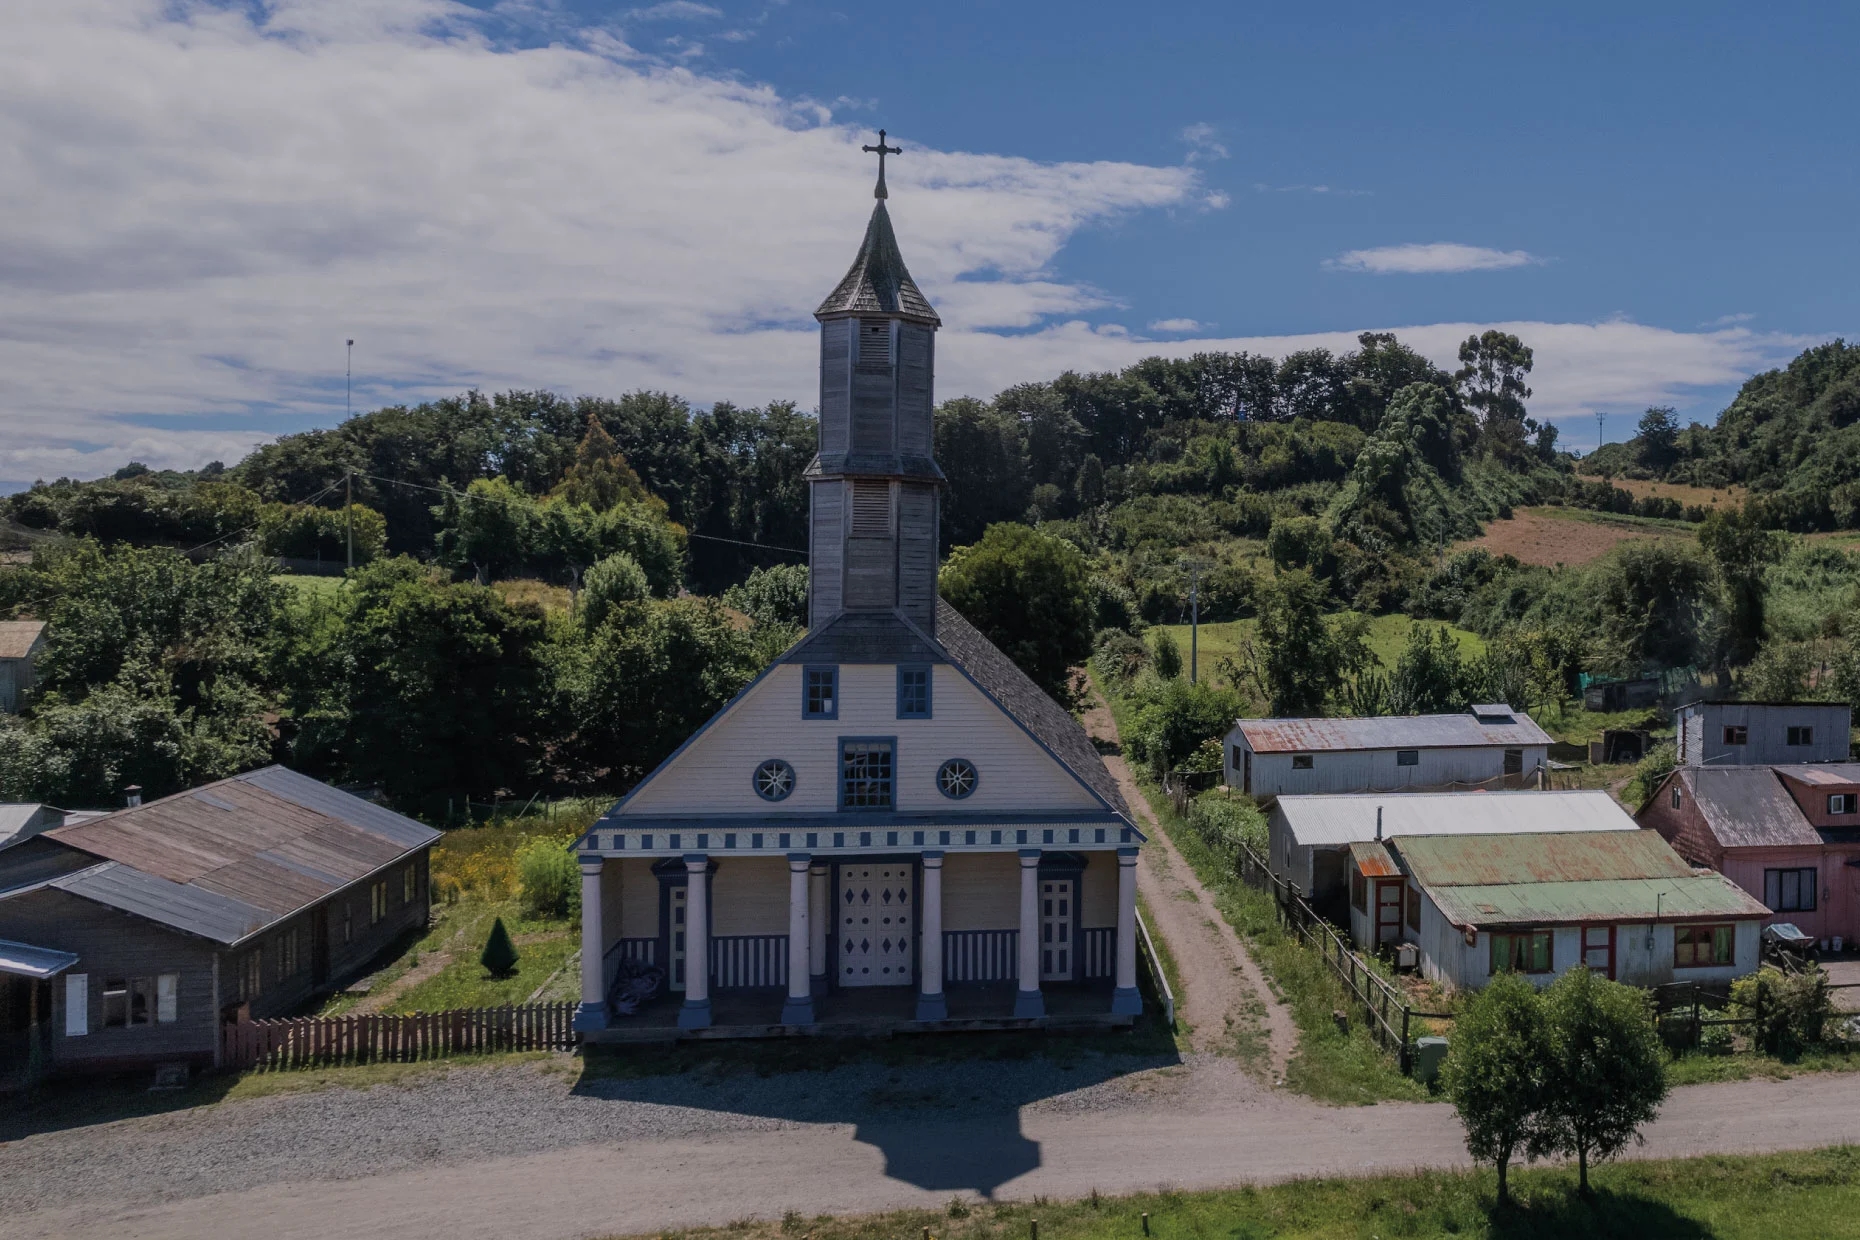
1789, 835
1622, 903
21, 643
126, 939
1309, 837
892, 822
1489, 746
1763, 733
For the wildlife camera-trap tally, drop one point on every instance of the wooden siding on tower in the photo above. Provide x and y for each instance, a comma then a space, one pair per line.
917, 517
835, 380
915, 345
825, 584
981, 891
749, 895
713, 774
1098, 890
872, 412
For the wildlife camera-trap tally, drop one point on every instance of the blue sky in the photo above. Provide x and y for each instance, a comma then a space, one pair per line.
205, 202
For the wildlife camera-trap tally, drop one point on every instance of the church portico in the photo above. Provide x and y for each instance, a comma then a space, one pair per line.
892, 825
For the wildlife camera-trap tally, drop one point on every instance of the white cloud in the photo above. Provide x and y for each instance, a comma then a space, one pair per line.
1175, 325
1203, 143
675, 11
1438, 258
1729, 320
203, 202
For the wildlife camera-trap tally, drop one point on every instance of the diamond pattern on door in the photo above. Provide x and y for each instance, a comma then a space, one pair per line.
1056, 930
875, 931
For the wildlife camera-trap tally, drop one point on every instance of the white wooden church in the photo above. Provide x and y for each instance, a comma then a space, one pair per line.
891, 823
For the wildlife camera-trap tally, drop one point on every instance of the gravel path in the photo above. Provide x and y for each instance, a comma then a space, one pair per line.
1228, 1004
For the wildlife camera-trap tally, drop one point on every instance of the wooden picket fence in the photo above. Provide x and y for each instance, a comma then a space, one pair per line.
312, 1041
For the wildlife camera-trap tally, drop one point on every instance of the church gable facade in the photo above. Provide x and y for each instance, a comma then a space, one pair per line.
891, 823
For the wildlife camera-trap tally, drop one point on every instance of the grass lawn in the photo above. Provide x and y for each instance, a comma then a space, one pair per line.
308, 587
1764, 1197
543, 947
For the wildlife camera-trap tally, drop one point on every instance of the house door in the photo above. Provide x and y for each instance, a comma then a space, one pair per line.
1598, 949
875, 925
1388, 911
319, 945
1056, 929
675, 968
1246, 773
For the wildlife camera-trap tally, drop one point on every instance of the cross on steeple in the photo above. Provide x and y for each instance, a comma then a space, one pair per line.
881, 150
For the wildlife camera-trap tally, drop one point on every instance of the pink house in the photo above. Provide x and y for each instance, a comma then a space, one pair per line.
1789, 835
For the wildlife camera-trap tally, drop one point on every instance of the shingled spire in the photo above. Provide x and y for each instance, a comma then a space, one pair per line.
874, 484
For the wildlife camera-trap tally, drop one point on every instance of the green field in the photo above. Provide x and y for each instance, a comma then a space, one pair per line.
307, 587
1387, 637
1764, 1197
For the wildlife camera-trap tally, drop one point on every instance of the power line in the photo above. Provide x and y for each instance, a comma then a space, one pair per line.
248, 529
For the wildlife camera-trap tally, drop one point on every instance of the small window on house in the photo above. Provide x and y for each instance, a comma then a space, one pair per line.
822, 695
115, 1002
168, 998
1301, 762
1699, 947
913, 693
1414, 909
287, 954
377, 902
1407, 757
1790, 891
1801, 736
1523, 951
408, 887
1736, 735
1675, 797
865, 774
1239, 759
348, 921
1514, 762
1359, 891
252, 975
1843, 803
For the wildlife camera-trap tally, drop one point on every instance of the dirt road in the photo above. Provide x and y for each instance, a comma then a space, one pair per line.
1194, 1130
1226, 1003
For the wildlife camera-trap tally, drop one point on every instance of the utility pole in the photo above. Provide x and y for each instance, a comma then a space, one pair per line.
1599, 415
1195, 568
348, 512
348, 384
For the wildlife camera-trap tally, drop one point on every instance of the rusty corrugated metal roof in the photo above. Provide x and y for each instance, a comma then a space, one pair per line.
1610, 901
1539, 857
1458, 731
1372, 860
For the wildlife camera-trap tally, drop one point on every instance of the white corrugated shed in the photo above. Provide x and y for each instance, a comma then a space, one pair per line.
1338, 819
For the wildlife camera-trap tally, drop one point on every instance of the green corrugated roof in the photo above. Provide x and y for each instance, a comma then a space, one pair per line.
1607, 900
1539, 857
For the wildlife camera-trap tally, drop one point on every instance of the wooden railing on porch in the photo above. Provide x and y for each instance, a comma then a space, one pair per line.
313, 1041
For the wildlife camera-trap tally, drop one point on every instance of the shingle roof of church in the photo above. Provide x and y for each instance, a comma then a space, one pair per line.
877, 282
1035, 710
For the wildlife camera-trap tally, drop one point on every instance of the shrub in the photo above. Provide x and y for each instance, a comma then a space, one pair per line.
550, 878
1225, 820
1173, 718
1650, 770
1791, 1010
1120, 656
500, 955
614, 580
1166, 655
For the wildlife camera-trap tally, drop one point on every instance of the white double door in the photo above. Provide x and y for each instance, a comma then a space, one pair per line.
877, 924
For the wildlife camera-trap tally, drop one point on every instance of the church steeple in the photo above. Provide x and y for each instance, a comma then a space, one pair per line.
874, 485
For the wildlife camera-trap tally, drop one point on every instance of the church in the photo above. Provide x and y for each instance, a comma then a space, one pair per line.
891, 826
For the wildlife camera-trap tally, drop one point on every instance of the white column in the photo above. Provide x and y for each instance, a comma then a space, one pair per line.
696, 1012
1125, 1001
799, 1009
930, 1002
1027, 998
819, 923
592, 1015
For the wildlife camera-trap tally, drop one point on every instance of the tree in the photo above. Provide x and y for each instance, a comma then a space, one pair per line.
1659, 437
1028, 593
1605, 1075
1165, 655
1741, 551
1088, 487
983, 452
600, 476
773, 596
1495, 1075
1432, 676
1493, 365
500, 955
1297, 659
615, 580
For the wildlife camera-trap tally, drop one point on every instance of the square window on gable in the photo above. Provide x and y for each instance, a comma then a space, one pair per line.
1407, 757
1736, 734
1301, 762
821, 695
1801, 736
913, 693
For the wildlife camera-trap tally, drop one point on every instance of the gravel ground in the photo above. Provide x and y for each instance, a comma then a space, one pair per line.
478, 1113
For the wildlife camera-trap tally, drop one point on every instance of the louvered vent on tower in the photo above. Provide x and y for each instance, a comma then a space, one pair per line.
874, 346
871, 516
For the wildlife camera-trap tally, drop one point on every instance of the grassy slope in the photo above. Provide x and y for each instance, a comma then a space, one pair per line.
1762, 1197
1387, 638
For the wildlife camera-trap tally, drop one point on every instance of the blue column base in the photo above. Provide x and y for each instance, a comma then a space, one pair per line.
1125, 1001
798, 1011
817, 984
1028, 1004
932, 1007
695, 1014
591, 1018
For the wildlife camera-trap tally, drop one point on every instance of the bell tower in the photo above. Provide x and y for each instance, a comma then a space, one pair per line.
874, 486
